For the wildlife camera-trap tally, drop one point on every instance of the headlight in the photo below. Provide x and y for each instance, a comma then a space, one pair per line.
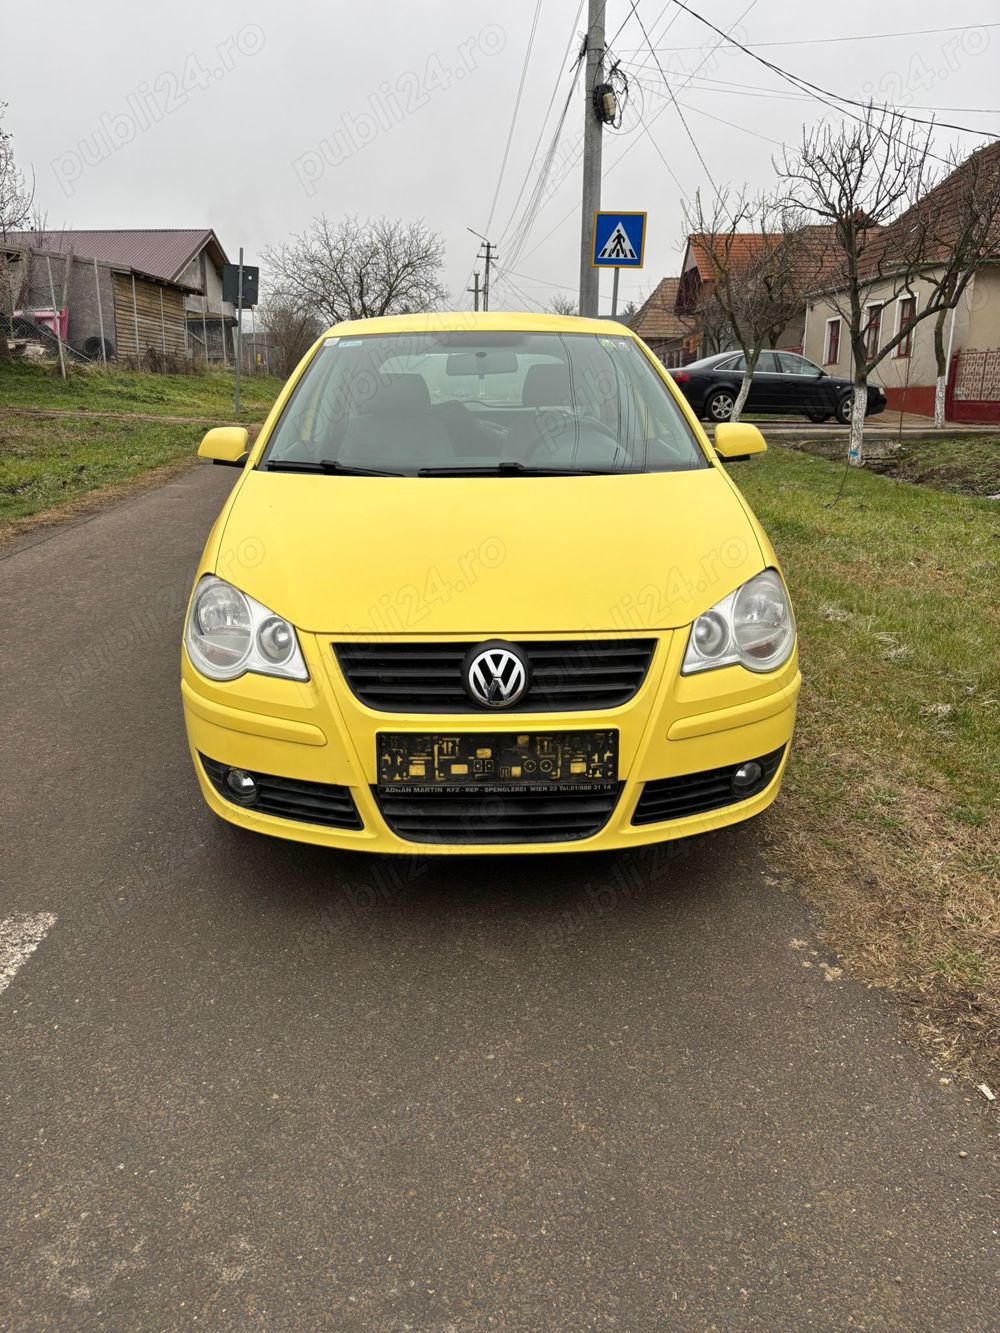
752, 627
228, 634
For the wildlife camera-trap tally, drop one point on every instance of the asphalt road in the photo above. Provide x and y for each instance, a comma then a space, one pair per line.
251, 1085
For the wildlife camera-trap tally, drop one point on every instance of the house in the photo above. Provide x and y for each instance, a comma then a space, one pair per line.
699, 272
908, 374
671, 336
186, 260
100, 309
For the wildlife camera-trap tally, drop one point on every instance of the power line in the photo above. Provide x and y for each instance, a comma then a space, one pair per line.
624, 153
517, 107
506, 280
823, 94
855, 37
680, 113
520, 234
544, 121
544, 282
516, 242
727, 89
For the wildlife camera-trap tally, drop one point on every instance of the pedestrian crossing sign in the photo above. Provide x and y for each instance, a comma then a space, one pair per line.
619, 240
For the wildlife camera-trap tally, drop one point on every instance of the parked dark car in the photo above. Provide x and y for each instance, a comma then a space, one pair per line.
783, 382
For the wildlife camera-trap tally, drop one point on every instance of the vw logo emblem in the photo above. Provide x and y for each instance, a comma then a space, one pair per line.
496, 675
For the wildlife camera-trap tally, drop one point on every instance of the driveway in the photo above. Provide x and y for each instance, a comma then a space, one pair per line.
253, 1085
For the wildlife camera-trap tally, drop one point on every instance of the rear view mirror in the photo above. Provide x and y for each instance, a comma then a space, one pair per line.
226, 445
481, 363
738, 440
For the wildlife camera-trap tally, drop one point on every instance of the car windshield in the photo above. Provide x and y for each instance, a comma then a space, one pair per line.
468, 403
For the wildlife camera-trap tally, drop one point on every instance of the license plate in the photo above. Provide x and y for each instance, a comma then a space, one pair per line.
497, 762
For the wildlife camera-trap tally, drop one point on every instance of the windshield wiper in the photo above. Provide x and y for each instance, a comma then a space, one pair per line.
512, 469
329, 466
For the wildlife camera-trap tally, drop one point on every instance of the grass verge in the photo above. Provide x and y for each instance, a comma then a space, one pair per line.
208, 394
56, 462
50, 462
965, 466
890, 816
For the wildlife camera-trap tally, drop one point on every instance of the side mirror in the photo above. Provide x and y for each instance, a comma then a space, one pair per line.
738, 440
226, 445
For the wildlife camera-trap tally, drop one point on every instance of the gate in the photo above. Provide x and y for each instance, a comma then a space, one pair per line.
974, 386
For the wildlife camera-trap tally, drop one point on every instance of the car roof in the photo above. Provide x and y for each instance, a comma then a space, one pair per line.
468, 321
713, 359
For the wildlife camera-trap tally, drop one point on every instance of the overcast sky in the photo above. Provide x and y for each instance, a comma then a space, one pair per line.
251, 118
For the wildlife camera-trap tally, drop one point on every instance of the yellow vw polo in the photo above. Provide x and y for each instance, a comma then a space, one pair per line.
483, 585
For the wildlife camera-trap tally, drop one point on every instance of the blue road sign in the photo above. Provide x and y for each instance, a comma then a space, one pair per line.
619, 240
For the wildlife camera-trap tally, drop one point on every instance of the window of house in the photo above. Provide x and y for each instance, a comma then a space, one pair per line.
907, 311
832, 354
873, 330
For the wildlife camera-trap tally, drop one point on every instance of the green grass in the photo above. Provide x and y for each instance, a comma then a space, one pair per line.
969, 466
47, 462
208, 394
891, 811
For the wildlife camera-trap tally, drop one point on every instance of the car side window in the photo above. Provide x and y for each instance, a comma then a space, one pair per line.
766, 364
791, 364
731, 363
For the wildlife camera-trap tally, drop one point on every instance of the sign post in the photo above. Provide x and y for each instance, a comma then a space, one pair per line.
239, 332
240, 283
619, 242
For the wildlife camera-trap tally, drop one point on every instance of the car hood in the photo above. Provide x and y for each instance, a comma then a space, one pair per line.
488, 555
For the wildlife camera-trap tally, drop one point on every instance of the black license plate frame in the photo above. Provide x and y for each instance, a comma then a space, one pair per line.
496, 763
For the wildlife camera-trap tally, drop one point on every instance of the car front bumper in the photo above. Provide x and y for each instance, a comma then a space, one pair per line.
315, 740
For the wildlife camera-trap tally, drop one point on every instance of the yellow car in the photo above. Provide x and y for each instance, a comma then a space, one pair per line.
483, 585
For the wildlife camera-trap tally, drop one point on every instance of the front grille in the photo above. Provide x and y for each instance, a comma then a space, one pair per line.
696, 793
542, 817
288, 798
428, 677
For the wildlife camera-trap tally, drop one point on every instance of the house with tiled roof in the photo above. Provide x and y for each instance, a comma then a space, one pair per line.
700, 271
971, 331
670, 335
183, 265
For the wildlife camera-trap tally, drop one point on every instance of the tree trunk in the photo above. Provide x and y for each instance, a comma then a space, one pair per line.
859, 406
942, 369
743, 394
6, 310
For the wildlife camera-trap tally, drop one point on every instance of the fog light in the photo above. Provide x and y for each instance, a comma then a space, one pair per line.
747, 776
242, 785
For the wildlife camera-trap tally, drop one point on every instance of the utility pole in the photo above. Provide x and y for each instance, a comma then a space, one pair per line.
475, 291
490, 257
592, 128
239, 333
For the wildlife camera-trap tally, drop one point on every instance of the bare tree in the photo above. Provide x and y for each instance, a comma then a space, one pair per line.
877, 183
762, 258
562, 305
714, 329
359, 269
16, 200
291, 331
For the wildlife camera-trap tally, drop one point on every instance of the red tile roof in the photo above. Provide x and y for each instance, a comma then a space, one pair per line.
657, 317
813, 257
161, 253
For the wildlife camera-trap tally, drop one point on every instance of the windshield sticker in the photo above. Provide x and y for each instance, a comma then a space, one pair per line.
351, 342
